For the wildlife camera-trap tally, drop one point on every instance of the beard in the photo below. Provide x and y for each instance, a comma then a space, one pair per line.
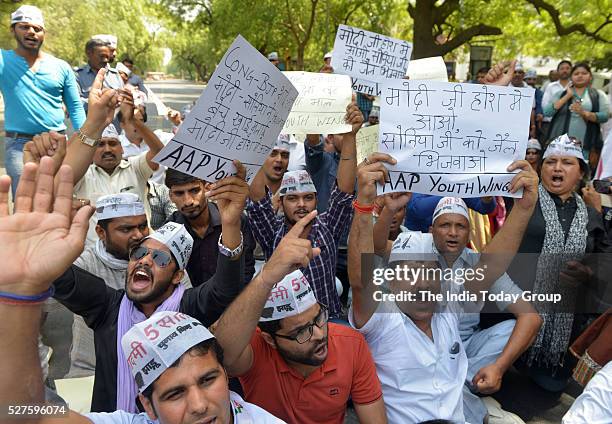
115, 250
306, 358
155, 292
21, 43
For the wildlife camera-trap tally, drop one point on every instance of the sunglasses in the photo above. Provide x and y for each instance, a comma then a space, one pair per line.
162, 259
304, 334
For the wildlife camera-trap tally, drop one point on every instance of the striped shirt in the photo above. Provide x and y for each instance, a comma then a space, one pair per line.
325, 233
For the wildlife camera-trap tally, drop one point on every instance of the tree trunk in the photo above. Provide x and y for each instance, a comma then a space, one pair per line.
423, 40
300, 56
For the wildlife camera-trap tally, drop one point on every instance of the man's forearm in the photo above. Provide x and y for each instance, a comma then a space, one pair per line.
524, 332
237, 324
79, 155
381, 231
257, 189
20, 363
149, 137
500, 252
347, 168
231, 234
360, 273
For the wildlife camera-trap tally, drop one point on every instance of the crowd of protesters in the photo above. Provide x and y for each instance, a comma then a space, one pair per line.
199, 301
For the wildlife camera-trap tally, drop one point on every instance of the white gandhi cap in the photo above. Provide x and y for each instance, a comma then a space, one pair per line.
152, 346
118, 205
176, 237
290, 297
450, 205
28, 14
413, 246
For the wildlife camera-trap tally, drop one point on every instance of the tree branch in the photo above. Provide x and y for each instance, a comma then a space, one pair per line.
466, 35
313, 11
291, 24
351, 11
566, 30
441, 13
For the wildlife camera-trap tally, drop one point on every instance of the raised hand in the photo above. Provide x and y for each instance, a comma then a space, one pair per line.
528, 180
127, 105
231, 193
497, 74
396, 201
50, 144
292, 252
40, 240
354, 116
101, 105
369, 172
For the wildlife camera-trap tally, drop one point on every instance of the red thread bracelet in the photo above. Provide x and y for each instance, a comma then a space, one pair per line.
363, 208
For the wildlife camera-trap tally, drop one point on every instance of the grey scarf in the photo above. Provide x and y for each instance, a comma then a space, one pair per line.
108, 259
552, 341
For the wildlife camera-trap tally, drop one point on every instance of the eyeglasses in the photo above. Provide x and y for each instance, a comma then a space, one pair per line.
162, 259
305, 333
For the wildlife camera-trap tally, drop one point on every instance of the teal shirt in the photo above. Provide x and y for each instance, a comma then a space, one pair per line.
33, 101
577, 125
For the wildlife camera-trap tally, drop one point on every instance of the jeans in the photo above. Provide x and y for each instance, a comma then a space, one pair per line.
482, 349
13, 159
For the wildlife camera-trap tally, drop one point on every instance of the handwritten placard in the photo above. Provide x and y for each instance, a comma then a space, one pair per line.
367, 141
453, 139
320, 107
238, 116
369, 57
429, 68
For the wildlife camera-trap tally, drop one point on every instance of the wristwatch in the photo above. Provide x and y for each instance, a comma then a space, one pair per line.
91, 142
229, 252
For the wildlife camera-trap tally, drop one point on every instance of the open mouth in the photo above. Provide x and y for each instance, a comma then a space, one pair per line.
301, 213
108, 156
141, 279
557, 180
277, 169
452, 243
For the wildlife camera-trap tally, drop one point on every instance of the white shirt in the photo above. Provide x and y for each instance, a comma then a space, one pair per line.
552, 89
594, 405
297, 156
421, 379
130, 176
243, 412
130, 149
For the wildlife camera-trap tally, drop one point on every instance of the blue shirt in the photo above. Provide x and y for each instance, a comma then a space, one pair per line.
322, 167
420, 209
33, 101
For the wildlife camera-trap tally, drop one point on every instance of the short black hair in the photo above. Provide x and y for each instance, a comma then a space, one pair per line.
581, 65
104, 223
128, 60
174, 177
201, 349
483, 70
93, 43
270, 327
562, 62
144, 115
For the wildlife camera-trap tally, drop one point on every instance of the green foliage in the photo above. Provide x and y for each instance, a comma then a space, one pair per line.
70, 23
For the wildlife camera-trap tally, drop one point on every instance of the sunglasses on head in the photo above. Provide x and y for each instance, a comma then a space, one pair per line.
162, 259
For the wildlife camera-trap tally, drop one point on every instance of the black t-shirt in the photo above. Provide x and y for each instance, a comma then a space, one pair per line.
88, 296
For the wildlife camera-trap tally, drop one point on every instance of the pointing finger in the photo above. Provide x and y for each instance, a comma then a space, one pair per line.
299, 226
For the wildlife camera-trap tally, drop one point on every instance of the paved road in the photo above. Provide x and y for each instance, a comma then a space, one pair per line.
174, 93
518, 393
